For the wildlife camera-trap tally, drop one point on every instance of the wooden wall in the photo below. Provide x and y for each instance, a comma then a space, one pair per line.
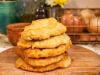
83, 4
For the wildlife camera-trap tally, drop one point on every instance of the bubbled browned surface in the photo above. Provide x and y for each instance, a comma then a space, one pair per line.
43, 29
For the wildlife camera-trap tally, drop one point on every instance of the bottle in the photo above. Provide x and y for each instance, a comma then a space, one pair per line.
41, 12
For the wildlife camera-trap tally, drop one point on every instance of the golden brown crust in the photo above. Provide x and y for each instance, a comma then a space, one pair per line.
41, 61
48, 43
43, 29
37, 53
62, 64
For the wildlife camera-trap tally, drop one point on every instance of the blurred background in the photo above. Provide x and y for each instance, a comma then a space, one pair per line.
83, 23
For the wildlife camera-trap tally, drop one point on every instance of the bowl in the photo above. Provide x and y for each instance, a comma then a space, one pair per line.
14, 32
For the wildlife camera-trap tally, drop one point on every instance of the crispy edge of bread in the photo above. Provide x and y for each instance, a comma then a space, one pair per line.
48, 43
41, 61
37, 53
66, 62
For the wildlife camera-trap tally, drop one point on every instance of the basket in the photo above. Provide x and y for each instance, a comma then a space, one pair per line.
84, 35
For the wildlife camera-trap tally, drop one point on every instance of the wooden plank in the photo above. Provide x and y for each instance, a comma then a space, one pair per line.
84, 62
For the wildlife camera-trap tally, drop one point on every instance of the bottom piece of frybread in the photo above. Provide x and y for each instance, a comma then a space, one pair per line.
61, 64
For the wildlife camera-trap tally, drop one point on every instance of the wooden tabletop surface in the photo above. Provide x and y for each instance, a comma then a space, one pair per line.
84, 62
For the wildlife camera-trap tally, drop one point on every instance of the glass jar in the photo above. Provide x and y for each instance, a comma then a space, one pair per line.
27, 9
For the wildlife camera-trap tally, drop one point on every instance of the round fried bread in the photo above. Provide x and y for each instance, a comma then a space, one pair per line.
61, 64
39, 53
43, 29
41, 61
48, 43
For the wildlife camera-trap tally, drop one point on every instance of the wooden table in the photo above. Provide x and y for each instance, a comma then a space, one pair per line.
84, 62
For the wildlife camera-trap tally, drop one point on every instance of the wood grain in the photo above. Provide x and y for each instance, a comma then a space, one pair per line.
84, 62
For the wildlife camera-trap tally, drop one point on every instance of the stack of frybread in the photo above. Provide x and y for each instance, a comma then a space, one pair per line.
43, 45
